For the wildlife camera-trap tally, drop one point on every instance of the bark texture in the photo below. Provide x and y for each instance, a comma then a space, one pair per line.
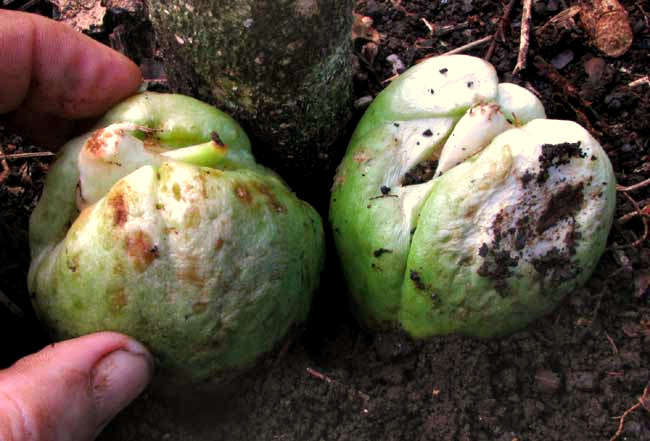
280, 67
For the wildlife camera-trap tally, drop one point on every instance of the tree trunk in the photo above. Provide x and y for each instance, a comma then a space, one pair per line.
282, 68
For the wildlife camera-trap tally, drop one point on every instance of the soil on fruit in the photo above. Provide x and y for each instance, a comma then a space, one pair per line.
569, 376
420, 173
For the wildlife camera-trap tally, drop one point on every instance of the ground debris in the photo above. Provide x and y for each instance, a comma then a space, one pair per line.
606, 22
84, 15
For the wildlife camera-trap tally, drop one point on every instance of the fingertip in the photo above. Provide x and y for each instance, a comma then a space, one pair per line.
94, 79
81, 352
79, 384
53, 69
117, 380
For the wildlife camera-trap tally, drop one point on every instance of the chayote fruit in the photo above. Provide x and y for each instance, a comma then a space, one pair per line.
459, 208
160, 225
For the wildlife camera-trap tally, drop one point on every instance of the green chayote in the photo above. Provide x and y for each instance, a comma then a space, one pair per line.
459, 208
160, 224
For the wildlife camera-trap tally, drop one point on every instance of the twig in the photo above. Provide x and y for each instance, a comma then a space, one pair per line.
500, 30
319, 376
524, 39
4, 168
612, 344
639, 82
642, 402
635, 204
645, 211
568, 92
438, 31
635, 186
28, 5
631, 215
26, 155
11, 305
469, 46
363, 397
428, 24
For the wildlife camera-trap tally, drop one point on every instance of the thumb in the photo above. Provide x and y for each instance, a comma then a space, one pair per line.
70, 390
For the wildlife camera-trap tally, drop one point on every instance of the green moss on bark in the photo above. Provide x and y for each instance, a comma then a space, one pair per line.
280, 67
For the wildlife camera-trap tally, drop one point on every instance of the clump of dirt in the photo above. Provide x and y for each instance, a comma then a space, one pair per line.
420, 173
562, 204
554, 155
569, 376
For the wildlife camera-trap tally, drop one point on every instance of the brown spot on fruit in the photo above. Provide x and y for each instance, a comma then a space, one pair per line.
241, 191
271, 197
72, 262
117, 202
119, 300
219, 244
199, 307
190, 271
470, 213
176, 189
338, 181
97, 143
192, 217
141, 249
361, 157
563, 204
214, 136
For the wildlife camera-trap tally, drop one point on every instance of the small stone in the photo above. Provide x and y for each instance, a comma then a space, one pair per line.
562, 59
363, 102
397, 63
547, 381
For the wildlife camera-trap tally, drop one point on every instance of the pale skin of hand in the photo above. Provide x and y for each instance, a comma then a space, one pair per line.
51, 75
50, 78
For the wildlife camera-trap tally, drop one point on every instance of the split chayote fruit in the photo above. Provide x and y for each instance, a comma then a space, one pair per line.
160, 225
459, 208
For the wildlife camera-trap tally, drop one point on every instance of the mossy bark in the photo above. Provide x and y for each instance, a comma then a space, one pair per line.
280, 67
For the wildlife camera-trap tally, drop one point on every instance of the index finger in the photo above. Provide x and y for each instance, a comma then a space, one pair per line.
49, 68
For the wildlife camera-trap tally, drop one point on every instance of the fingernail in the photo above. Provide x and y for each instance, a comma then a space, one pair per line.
119, 378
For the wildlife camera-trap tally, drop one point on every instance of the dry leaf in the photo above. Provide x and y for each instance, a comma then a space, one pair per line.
607, 24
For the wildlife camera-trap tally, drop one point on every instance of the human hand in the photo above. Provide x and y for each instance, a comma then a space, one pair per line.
52, 76
70, 390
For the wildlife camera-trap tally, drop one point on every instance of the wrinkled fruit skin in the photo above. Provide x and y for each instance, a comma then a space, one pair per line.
515, 217
207, 266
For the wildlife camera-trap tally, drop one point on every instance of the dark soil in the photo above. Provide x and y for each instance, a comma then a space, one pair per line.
570, 376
